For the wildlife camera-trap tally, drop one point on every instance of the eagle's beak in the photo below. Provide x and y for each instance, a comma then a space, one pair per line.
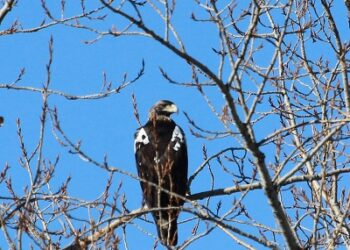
171, 108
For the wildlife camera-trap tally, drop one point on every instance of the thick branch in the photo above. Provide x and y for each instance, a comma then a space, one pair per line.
6, 9
98, 234
258, 185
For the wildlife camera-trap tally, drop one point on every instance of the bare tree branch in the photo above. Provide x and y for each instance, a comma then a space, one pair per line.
6, 8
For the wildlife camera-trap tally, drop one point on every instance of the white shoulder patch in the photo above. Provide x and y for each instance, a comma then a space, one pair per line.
177, 137
141, 137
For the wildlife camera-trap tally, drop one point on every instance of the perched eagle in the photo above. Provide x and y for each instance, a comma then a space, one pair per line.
161, 158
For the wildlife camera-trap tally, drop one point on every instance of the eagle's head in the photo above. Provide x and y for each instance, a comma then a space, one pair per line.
162, 110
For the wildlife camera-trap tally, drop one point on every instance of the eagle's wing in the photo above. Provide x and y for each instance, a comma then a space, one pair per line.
178, 151
144, 156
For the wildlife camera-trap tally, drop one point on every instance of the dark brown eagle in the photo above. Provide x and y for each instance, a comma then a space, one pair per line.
161, 158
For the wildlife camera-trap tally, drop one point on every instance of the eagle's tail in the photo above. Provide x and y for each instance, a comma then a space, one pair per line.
167, 231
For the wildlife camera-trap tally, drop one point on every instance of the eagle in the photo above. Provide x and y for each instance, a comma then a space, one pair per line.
161, 159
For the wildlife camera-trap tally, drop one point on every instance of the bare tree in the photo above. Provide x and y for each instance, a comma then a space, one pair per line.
282, 69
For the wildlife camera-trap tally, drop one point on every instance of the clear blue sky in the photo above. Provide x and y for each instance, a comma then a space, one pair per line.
106, 126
